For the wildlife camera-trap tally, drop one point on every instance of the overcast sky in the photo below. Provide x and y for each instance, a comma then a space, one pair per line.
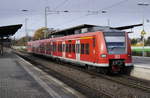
119, 13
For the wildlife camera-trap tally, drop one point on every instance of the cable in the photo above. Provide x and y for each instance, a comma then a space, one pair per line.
72, 20
61, 4
115, 4
108, 7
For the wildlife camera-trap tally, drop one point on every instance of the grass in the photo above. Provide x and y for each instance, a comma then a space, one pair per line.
140, 50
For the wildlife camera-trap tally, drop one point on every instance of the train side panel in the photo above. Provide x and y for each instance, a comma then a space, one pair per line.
89, 49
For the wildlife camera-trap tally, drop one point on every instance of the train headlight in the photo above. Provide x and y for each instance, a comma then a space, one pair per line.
103, 55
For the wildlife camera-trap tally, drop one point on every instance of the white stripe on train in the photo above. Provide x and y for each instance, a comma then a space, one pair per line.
83, 62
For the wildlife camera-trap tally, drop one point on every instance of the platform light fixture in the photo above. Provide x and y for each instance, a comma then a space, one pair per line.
26, 21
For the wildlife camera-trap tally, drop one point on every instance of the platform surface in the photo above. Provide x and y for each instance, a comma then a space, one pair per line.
18, 79
140, 61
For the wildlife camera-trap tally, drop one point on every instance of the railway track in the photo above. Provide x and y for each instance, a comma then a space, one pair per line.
126, 80
121, 79
79, 86
129, 81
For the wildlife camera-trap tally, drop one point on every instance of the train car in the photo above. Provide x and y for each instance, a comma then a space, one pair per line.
108, 50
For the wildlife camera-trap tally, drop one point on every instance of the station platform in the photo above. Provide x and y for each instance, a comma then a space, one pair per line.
141, 67
20, 79
140, 61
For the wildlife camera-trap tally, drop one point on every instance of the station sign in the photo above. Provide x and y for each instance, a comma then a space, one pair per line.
143, 32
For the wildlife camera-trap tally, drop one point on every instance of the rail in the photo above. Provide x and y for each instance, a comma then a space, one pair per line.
121, 79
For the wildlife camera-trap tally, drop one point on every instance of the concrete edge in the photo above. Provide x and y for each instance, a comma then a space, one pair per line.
45, 86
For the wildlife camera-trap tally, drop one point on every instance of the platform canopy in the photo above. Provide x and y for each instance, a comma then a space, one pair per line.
126, 27
6, 31
73, 30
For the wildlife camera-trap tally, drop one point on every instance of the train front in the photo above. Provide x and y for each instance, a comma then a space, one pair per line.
117, 52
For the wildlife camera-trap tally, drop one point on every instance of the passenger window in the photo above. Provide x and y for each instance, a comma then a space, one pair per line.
69, 48
50, 47
94, 42
87, 49
82, 48
54, 47
66, 47
73, 48
63, 48
60, 47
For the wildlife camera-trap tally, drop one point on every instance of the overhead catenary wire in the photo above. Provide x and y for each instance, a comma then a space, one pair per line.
72, 20
114, 5
96, 12
61, 4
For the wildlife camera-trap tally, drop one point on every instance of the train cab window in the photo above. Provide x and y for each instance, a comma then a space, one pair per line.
58, 48
82, 48
87, 49
115, 42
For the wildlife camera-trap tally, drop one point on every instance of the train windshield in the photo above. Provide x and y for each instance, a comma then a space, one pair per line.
115, 42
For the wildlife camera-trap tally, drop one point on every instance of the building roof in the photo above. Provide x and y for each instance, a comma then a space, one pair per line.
71, 30
10, 30
126, 27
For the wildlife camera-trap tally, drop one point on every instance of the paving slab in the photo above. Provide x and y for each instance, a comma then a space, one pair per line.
20, 79
141, 67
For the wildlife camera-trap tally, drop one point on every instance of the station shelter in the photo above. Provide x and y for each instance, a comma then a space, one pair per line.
5, 33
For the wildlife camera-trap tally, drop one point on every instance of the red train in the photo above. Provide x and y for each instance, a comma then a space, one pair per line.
105, 48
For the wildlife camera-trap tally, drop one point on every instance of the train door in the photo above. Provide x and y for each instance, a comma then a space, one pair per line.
77, 46
64, 49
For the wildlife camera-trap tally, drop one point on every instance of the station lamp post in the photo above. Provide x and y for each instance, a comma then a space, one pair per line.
26, 28
108, 20
26, 21
143, 31
47, 10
